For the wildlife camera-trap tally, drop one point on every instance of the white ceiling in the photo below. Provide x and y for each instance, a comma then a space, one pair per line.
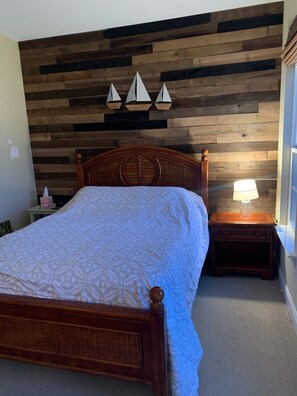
31, 19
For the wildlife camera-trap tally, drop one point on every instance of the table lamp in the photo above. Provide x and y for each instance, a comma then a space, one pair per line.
245, 191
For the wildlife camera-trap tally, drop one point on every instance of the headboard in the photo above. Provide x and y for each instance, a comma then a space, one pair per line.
145, 166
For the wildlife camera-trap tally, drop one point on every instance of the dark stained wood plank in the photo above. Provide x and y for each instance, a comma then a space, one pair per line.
157, 26
86, 65
199, 72
120, 125
152, 38
250, 22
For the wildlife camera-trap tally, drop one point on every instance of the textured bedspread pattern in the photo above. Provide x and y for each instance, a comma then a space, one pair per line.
111, 245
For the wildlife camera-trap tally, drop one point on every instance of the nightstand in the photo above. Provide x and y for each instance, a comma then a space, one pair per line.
37, 212
242, 244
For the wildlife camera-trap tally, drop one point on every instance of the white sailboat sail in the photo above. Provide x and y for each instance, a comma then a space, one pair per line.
114, 100
163, 95
137, 92
113, 95
163, 101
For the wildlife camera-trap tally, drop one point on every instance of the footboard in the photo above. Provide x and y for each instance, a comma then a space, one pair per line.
125, 343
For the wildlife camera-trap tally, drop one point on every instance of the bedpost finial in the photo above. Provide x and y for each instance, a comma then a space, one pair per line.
157, 295
204, 155
78, 158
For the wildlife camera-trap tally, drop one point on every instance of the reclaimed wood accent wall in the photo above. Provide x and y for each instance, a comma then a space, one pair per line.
221, 69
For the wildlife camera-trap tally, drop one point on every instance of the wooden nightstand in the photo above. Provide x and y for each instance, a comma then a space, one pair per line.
37, 212
242, 245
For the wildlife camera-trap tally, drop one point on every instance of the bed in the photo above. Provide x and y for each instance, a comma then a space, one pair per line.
129, 340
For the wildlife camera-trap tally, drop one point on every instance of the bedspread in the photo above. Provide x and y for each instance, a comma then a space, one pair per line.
111, 245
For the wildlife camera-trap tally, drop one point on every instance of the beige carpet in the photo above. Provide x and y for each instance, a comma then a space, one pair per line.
250, 349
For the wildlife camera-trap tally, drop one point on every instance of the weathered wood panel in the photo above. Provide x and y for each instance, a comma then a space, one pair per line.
222, 71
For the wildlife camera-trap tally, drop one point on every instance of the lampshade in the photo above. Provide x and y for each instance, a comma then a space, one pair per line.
245, 190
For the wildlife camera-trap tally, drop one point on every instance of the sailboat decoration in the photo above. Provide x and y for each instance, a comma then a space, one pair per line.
114, 100
163, 101
138, 97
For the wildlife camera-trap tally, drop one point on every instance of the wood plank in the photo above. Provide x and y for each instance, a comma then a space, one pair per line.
128, 41
93, 135
247, 137
224, 119
66, 119
58, 111
250, 11
205, 110
266, 127
28, 63
57, 168
65, 49
239, 166
244, 56
264, 85
185, 53
271, 107
56, 41
59, 190
218, 38
76, 143
53, 152
275, 41
96, 54
47, 104
49, 86
40, 137
242, 156
228, 79
163, 133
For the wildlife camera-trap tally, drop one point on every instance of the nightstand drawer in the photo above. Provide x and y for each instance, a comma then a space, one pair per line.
234, 232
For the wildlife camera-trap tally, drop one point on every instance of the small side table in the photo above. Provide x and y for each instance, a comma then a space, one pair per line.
37, 212
242, 244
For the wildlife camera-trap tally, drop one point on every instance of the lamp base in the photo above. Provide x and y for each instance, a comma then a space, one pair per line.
246, 209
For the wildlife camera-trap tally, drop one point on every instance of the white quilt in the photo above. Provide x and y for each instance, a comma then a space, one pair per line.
108, 241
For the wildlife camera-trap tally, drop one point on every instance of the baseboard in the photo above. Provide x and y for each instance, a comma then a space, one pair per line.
289, 301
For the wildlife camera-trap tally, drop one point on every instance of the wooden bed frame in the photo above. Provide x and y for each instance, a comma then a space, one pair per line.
120, 342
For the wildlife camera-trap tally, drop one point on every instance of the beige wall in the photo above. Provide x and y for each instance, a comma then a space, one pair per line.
288, 266
17, 187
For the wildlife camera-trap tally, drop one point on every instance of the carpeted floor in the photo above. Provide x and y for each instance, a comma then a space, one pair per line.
250, 349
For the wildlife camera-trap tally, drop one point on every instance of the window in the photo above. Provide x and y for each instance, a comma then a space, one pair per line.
288, 231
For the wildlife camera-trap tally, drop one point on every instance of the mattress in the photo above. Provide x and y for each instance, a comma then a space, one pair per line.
111, 245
